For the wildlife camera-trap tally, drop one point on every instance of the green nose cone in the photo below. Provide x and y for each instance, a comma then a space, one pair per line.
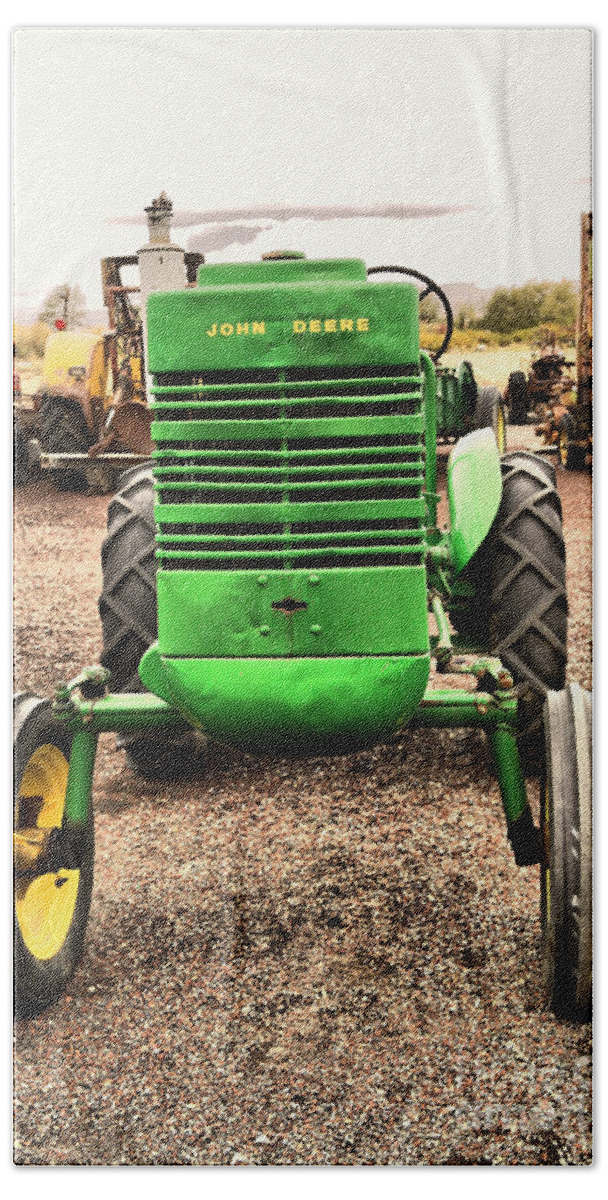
301, 707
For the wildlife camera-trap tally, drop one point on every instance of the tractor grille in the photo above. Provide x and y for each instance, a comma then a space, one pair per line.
289, 468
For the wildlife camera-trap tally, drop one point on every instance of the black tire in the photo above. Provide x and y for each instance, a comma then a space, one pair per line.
176, 757
546, 466
520, 610
63, 430
517, 398
52, 901
21, 461
127, 604
571, 455
127, 607
566, 872
491, 411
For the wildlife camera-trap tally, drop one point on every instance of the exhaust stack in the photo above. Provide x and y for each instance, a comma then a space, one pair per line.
162, 266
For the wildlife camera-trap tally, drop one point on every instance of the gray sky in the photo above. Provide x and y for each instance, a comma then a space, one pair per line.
494, 121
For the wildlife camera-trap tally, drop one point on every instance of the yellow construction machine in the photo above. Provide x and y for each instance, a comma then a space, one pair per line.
89, 417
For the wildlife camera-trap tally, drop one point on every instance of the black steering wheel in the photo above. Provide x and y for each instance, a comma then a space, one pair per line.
430, 287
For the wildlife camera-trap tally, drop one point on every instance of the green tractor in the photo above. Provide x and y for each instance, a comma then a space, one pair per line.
276, 580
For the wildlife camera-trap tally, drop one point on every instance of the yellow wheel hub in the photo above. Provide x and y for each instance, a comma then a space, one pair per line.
45, 904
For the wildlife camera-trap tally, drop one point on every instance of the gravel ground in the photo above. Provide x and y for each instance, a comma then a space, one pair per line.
332, 962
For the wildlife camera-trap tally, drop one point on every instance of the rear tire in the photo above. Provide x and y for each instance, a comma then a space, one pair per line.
517, 398
127, 605
51, 907
63, 430
21, 462
128, 611
566, 872
520, 611
490, 411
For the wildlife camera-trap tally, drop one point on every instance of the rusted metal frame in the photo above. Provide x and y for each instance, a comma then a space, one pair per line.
58, 461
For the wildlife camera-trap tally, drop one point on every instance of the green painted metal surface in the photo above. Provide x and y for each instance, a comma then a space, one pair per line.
474, 493
152, 674
510, 775
454, 708
275, 428
456, 395
270, 271
290, 325
430, 435
130, 712
295, 423
353, 611
80, 776
298, 706
293, 473
120, 712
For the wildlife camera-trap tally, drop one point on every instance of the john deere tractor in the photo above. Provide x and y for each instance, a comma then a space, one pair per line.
276, 580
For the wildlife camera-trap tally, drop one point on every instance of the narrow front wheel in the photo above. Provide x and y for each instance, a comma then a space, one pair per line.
53, 860
566, 870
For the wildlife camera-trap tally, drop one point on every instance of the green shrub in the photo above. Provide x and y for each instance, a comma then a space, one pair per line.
512, 309
431, 336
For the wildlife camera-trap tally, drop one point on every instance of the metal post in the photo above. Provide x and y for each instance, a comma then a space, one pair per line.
523, 835
443, 648
80, 777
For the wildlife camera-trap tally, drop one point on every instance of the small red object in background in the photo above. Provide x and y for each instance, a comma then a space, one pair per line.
59, 324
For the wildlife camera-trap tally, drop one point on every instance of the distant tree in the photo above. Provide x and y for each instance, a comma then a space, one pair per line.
525, 307
560, 303
429, 309
465, 317
514, 308
66, 302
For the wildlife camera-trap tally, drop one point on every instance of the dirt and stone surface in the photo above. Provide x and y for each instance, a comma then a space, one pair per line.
326, 962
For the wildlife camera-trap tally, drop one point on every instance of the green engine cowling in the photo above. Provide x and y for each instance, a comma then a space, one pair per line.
289, 470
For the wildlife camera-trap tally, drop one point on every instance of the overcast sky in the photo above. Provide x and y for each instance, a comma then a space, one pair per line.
495, 122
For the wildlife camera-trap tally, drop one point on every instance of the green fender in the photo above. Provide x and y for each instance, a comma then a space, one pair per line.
474, 493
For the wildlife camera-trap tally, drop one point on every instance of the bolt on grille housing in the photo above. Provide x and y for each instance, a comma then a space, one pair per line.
289, 447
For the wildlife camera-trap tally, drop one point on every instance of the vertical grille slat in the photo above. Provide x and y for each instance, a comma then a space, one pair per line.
289, 468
